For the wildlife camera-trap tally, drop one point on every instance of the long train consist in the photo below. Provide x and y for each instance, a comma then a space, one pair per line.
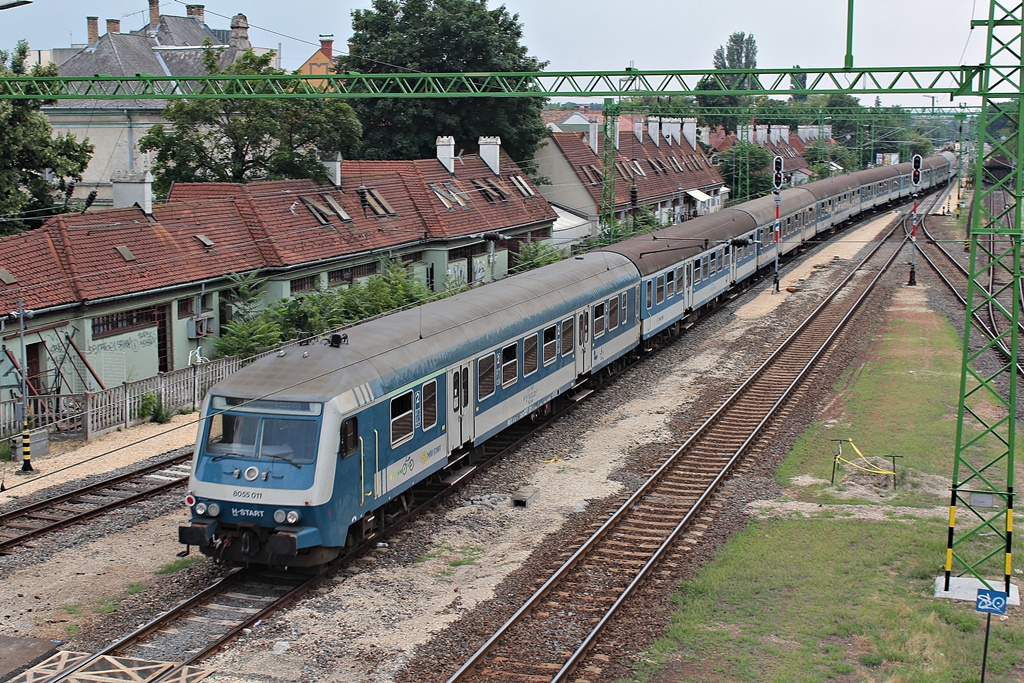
312, 449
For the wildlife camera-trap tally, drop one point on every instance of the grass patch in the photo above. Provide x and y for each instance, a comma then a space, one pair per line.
433, 554
845, 595
108, 604
135, 588
71, 630
5, 451
468, 555
74, 610
179, 563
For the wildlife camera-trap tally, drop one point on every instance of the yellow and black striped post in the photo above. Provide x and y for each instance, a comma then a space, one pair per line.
26, 448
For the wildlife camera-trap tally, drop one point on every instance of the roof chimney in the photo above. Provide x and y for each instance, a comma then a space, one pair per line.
113, 25
654, 129
490, 152
690, 132
154, 14
327, 45
131, 188
594, 132
638, 130
446, 152
240, 33
93, 25
333, 164
198, 12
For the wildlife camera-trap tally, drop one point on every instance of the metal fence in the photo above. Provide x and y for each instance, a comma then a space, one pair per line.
93, 414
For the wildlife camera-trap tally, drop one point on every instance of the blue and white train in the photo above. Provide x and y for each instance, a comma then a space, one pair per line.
310, 450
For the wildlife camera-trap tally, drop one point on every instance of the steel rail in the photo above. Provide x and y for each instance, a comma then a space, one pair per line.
28, 511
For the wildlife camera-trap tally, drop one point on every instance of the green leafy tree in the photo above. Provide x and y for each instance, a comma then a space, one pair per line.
709, 96
431, 36
798, 82
30, 154
758, 162
238, 140
534, 255
739, 52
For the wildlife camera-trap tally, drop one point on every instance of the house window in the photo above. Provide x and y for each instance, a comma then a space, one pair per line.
186, 307
125, 321
343, 276
303, 284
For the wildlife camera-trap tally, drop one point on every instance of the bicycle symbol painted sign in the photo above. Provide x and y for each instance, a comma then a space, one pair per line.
993, 602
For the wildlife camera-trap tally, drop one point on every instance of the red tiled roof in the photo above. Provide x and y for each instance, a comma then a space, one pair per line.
74, 257
697, 170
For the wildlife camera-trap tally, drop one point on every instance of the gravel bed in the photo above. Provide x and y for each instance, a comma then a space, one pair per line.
420, 604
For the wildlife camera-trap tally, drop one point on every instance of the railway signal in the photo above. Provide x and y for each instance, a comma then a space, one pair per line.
915, 174
777, 174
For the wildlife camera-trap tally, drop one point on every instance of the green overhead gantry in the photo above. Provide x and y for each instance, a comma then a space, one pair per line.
986, 435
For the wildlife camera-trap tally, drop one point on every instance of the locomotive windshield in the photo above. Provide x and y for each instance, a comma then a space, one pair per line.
248, 431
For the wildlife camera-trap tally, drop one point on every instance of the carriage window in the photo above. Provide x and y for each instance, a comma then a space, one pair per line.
509, 364
456, 404
550, 344
711, 264
670, 284
704, 268
530, 355
349, 443
696, 272
428, 417
622, 310
567, 336
613, 312
679, 279
401, 419
721, 261
598, 320
485, 377
650, 293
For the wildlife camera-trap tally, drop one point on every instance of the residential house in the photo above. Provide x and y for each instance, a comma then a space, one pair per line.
659, 157
166, 45
123, 293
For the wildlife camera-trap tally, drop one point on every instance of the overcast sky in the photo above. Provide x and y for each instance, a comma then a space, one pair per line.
588, 35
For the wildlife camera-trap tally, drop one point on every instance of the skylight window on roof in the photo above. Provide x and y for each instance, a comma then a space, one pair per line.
6, 277
653, 165
503, 191
636, 166
624, 170
460, 197
383, 202
663, 165
676, 164
125, 253
442, 195
523, 186
336, 207
487, 194
322, 213
590, 176
206, 241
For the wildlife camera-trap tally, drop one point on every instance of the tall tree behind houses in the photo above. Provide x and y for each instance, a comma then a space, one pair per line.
438, 36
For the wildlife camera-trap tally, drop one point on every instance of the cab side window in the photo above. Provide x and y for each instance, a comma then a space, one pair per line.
349, 437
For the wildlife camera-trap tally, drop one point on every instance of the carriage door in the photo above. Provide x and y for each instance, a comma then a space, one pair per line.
460, 405
584, 361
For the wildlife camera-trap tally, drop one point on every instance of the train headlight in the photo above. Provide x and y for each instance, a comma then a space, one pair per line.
293, 517
279, 516
213, 509
200, 508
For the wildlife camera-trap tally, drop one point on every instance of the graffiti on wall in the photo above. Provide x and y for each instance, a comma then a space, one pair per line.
125, 343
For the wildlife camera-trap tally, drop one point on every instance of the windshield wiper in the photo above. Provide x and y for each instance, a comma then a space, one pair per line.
287, 460
221, 456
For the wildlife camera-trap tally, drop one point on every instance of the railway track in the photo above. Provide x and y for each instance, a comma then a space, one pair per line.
954, 275
23, 524
551, 634
200, 626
